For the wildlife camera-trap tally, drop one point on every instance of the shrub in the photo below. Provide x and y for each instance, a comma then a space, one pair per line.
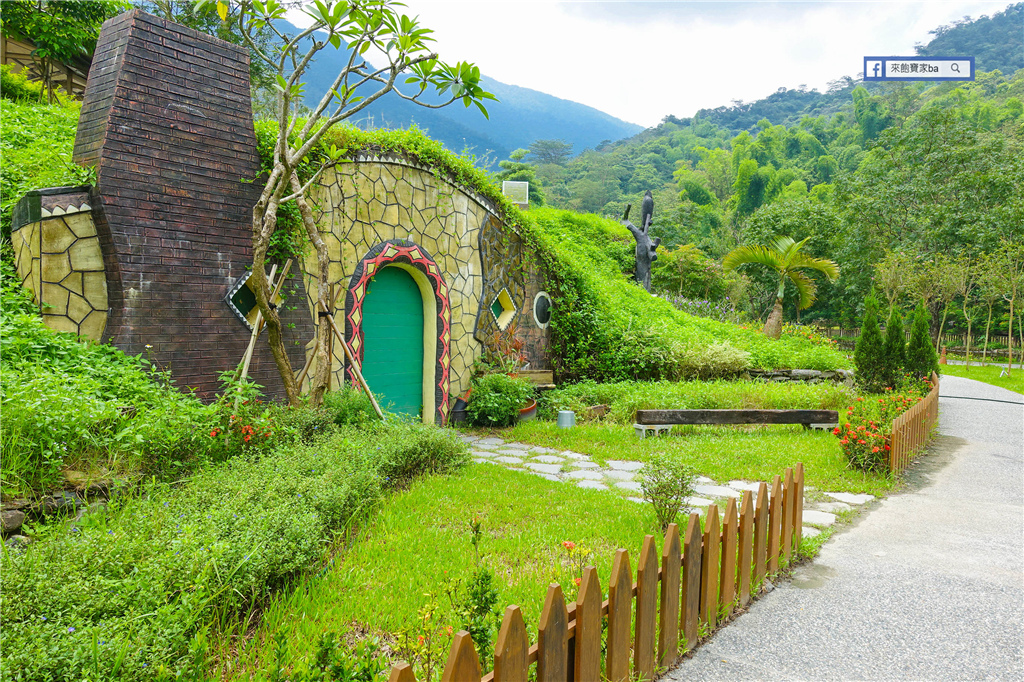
17, 86
666, 483
869, 353
895, 351
348, 406
922, 359
497, 399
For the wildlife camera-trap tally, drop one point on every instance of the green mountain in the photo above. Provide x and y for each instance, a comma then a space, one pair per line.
996, 42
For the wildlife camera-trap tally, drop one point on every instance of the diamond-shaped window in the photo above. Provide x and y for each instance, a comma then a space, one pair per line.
242, 300
503, 309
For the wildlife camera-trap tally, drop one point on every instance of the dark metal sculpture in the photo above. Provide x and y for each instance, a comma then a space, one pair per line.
645, 246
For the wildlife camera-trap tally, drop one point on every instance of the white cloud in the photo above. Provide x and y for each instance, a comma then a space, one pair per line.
643, 61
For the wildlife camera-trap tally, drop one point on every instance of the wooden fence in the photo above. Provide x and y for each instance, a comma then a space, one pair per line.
846, 338
912, 429
705, 575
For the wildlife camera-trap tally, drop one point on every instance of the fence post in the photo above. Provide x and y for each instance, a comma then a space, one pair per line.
692, 560
727, 579
511, 648
668, 608
646, 610
788, 498
760, 534
402, 672
620, 611
463, 664
746, 541
588, 628
774, 525
709, 569
552, 638
798, 507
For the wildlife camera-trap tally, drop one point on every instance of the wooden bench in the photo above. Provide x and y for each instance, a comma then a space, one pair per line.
656, 420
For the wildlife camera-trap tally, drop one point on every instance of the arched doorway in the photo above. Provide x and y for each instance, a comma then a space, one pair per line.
393, 340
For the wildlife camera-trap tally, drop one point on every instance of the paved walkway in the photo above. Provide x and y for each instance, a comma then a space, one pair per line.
620, 476
927, 586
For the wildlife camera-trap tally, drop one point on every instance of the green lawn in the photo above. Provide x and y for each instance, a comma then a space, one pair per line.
723, 453
421, 538
988, 374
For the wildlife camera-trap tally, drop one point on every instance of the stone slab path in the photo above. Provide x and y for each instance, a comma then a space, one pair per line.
620, 476
928, 586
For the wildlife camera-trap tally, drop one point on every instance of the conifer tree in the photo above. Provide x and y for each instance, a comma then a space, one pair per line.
921, 357
895, 349
869, 353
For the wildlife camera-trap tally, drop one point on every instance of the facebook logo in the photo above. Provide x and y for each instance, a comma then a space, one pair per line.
874, 69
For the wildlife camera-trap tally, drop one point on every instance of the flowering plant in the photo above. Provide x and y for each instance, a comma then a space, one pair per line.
866, 437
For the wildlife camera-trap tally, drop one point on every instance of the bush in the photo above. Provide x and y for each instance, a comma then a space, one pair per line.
922, 359
895, 351
666, 483
869, 353
866, 437
17, 87
497, 399
135, 586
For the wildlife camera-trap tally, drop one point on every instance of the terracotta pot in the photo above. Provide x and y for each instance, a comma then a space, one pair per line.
528, 412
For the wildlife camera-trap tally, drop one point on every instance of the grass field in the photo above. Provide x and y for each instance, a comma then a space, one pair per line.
989, 374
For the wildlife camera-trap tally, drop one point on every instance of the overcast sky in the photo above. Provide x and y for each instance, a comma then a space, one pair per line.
640, 61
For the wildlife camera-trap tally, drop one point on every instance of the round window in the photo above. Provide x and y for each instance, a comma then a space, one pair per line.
542, 309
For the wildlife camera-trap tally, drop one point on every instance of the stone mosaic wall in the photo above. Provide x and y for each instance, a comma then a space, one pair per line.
376, 199
59, 259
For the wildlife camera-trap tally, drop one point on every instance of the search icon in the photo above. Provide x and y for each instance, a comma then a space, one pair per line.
954, 67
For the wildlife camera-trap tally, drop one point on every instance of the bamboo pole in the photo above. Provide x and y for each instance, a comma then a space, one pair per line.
355, 367
243, 370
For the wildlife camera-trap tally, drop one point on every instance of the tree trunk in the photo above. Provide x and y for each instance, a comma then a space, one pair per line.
968, 342
1009, 340
942, 325
773, 327
988, 325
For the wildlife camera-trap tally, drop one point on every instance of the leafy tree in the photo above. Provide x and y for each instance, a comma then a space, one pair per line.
556, 152
895, 349
869, 357
61, 30
358, 26
922, 359
784, 256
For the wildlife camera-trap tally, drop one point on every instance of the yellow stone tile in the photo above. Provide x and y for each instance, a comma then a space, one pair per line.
391, 214
73, 282
93, 325
56, 235
55, 267
94, 287
81, 224
56, 297
60, 323
78, 308
30, 232
86, 255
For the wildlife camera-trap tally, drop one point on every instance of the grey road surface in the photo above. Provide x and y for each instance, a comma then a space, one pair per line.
927, 585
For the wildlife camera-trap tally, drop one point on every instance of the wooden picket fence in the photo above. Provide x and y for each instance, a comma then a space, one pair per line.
704, 577
912, 429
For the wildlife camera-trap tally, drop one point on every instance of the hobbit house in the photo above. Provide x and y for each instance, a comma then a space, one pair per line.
154, 258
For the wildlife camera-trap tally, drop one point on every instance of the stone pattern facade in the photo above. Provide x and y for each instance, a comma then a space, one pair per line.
378, 198
167, 121
59, 259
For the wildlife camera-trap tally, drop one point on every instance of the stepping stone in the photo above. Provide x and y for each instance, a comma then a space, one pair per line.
569, 454
593, 484
509, 460
543, 450
468, 439
586, 475
851, 498
619, 475
715, 491
744, 485
550, 477
513, 452
696, 501
481, 460
543, 468
625, 465
519, 446
628, 485
704, 480
584, 464
832, 506
481, 453
810, 531
636, 499
489, 442
549, 459
818, 518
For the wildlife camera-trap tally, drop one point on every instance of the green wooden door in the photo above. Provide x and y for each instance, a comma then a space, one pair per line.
393, 340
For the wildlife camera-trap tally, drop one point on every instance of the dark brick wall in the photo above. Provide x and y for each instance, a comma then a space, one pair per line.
536, 341
167, 121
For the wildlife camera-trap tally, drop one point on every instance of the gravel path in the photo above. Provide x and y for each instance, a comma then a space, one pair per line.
927, 586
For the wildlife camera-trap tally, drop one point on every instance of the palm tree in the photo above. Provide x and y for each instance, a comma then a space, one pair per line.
783, 256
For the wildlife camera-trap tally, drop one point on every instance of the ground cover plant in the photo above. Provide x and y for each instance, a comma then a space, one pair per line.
624, 398
135, 591
392, 581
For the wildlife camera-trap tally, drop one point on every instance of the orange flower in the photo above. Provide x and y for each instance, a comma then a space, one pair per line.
569, 545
